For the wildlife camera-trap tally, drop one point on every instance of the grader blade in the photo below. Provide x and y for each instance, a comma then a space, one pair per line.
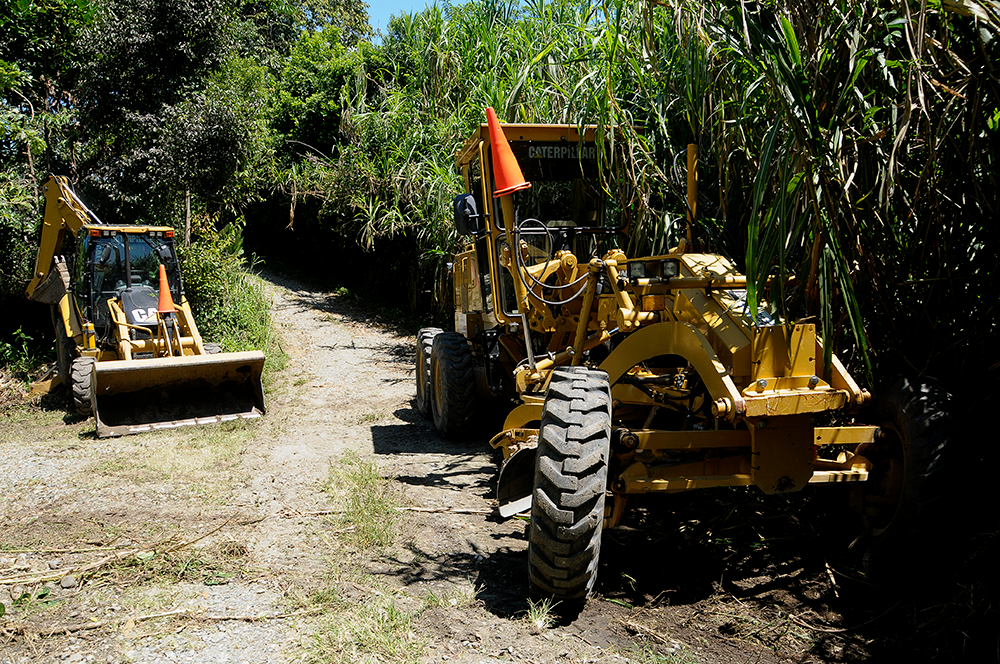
516, 482
135, 396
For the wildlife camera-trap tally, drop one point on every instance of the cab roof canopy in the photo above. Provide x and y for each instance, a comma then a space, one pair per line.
550, 133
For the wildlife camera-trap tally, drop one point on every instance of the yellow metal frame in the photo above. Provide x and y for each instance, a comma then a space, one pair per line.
178, 362
764, 383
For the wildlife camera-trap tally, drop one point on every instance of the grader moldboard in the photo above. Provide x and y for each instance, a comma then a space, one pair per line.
631, 375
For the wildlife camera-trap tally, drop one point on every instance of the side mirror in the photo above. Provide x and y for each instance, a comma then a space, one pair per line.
105, 255
467, 217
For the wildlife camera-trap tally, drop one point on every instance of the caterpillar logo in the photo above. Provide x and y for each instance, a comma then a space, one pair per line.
561, 152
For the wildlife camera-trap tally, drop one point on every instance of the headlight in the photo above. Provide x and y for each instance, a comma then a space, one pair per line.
636, 270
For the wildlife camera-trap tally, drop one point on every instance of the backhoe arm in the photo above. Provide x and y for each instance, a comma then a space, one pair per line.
63, 211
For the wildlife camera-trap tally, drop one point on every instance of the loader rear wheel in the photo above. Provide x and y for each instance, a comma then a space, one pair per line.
65, 347
902, 503
425, 338
453, 382
80, 375
571, 477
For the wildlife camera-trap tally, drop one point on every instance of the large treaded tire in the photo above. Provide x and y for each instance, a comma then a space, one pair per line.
915, 428
80, 388
65, 347
571, 477
425, 338
453, 378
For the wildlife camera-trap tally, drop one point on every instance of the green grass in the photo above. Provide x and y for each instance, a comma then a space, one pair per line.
368, 417
378, 626
541, 615
458, 595
212, 566
46, 425
376, 630
649, 656
195, 456
367, 502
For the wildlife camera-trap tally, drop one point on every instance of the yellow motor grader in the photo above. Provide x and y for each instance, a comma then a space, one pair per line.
631, 375
129, 355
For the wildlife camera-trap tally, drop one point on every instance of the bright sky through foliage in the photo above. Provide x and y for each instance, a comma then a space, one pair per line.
379, 11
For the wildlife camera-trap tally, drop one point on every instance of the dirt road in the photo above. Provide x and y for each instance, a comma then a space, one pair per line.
341, 528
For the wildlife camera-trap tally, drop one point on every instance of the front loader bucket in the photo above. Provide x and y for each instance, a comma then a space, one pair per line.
133, 396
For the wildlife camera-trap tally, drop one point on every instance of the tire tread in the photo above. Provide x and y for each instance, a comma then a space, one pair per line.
570, 483
425, 340
80, 384
921, 413
454, 399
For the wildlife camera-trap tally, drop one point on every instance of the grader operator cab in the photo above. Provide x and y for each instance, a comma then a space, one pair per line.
128, 354
631, 375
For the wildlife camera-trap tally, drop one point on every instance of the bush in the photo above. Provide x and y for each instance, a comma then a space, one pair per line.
16, 356
230, 305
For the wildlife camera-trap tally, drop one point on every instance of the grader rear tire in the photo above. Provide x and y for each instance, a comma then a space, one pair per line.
453, 380
425, 338
903, 501
79, 385
571, 477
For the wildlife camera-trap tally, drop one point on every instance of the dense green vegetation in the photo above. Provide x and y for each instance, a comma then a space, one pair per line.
851, 146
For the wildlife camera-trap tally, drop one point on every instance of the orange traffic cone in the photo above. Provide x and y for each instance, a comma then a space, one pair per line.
506, 173
166, 304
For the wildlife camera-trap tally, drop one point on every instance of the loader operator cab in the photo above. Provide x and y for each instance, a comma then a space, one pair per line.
123, 265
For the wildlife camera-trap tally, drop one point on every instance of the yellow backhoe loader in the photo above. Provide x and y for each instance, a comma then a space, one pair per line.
129, 355
637, 375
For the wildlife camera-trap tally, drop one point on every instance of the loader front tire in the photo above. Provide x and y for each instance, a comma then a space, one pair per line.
425, 338
453, 384
571, 477
902, 503
80, 387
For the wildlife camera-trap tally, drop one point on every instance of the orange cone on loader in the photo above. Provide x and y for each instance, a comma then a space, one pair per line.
506, 172
166, 303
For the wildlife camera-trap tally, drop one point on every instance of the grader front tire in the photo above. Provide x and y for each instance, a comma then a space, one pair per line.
453, 381
571, 476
